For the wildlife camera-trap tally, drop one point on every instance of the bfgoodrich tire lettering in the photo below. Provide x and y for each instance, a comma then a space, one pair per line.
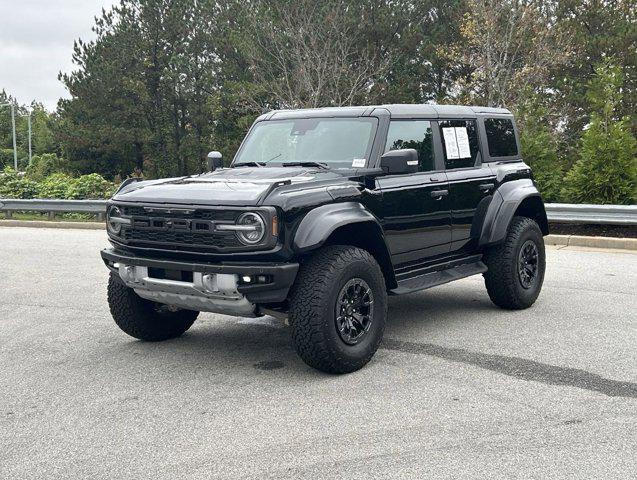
144, 319
313, 302
506, 286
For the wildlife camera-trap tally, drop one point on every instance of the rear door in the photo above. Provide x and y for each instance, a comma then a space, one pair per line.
471, 182
416, 208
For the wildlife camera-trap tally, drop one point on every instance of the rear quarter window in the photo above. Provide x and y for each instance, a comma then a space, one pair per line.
501, 137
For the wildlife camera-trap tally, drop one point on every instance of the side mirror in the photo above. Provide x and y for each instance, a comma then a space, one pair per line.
215, 161
400, 161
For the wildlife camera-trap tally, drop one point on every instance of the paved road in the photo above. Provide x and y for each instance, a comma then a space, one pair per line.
460, 389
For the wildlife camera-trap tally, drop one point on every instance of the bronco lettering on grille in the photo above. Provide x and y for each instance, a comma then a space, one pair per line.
199, 226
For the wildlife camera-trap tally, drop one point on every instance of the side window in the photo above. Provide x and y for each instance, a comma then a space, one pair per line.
415, 134
460, 140
501, 137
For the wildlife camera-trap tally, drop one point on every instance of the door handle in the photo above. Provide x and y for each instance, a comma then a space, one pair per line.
486, 186
438, 194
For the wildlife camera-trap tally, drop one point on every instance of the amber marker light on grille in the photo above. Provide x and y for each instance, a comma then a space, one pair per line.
275, 226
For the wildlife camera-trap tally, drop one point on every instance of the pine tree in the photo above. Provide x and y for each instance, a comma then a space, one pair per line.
606, 171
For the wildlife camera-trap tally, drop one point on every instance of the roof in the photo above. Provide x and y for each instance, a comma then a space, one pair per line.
442, 111
395, 110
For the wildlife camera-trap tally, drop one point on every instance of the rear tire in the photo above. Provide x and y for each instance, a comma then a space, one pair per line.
338, 308
143, 319
516, 267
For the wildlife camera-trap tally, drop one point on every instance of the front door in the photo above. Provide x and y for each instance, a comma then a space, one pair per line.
416, 208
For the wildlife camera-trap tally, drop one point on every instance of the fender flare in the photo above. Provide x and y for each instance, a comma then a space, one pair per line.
505, 203
317, 226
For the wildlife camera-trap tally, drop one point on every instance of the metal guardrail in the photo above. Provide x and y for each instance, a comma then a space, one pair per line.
592, 214
51, 207
556, 212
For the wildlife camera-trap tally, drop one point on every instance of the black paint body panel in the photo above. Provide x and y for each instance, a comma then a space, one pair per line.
420, 219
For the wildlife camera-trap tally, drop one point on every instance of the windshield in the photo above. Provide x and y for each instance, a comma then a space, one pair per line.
335, 142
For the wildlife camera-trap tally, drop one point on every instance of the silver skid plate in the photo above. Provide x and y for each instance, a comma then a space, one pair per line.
215, 293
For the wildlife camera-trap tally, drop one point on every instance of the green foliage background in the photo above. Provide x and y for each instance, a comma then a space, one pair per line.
165, 81
606, 170
56, 185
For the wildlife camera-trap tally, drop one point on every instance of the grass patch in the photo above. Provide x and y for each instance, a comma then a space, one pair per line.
60, 217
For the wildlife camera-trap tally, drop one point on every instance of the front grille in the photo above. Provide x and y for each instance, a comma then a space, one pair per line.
219, 239
179, 229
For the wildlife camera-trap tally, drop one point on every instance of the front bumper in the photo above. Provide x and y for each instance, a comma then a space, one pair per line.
219, 288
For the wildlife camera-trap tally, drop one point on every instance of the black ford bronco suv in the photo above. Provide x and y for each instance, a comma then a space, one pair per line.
321, 215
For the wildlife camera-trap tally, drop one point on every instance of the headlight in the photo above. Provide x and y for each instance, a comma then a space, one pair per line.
250, 228
114, 220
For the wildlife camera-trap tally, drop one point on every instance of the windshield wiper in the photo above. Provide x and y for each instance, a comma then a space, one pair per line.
249, 164
257, 164
306, 164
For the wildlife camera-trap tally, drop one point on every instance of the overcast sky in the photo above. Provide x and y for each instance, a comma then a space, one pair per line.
36, 42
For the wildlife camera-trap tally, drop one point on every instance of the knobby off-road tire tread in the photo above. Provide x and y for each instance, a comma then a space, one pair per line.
501, 278
138, 318
311, 308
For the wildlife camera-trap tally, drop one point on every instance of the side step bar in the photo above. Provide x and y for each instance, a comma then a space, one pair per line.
432, 279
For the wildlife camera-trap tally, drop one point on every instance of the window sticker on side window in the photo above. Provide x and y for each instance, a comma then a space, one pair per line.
456, 142
464, 151
451, 145
359, 162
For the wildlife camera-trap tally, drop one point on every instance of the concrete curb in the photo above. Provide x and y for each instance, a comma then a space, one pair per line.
564, 240
53, 224
593, 242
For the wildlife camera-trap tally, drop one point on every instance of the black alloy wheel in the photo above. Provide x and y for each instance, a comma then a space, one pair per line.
354, 310
528, 264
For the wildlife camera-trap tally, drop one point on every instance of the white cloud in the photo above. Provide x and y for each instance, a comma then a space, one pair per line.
36, 43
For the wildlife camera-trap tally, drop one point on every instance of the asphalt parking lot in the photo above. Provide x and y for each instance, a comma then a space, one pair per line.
460, 389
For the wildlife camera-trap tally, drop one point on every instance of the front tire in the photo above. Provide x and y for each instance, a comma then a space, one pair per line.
143, 319
516, 267
338, 308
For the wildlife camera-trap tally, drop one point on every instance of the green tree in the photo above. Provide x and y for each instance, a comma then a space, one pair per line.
606, 171
6, 157
596, 31
6, 129
419, 41
102, 126
165, 81
510, 47
150, 111
43, 128
540, 146
46, 164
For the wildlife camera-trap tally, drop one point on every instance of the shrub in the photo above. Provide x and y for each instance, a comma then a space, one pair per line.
92, 186
55, 186
13, 185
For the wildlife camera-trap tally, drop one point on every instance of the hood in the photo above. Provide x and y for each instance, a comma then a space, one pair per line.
229, 186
